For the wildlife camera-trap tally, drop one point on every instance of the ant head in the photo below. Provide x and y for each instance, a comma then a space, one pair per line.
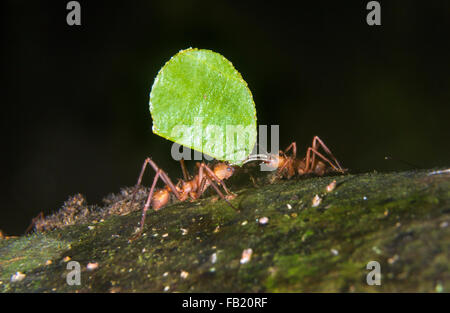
223, 170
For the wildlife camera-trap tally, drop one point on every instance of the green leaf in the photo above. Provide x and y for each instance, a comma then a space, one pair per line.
201, 101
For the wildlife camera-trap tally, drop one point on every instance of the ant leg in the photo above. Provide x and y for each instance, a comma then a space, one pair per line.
281, 169
184, 170
163, 175
147, 205
292, 146
204, 176
159, 174
308, 163
144, 166
327, 150
213, 175
213, 184
202, 181
165, 179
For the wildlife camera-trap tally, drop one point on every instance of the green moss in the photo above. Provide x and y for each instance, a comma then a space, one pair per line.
398, 219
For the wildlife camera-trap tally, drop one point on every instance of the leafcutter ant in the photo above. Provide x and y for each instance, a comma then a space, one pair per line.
185, 188
314, 162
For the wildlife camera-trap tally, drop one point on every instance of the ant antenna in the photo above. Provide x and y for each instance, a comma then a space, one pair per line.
413, 166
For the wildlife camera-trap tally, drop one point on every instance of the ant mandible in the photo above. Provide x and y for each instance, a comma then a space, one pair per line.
288, 165
185, 188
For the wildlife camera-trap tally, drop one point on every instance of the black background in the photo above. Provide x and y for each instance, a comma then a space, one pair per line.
75, 113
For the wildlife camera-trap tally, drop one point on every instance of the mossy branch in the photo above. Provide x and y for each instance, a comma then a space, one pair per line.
397, 219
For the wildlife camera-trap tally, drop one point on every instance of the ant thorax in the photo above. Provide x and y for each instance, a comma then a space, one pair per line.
275, 161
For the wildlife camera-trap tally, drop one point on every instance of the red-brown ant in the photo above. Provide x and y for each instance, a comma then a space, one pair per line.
185, 188
288, 165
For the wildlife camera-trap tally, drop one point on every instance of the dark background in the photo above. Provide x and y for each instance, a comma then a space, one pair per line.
75, 113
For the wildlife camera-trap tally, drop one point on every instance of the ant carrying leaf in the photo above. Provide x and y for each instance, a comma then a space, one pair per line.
199, 90
185, 188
